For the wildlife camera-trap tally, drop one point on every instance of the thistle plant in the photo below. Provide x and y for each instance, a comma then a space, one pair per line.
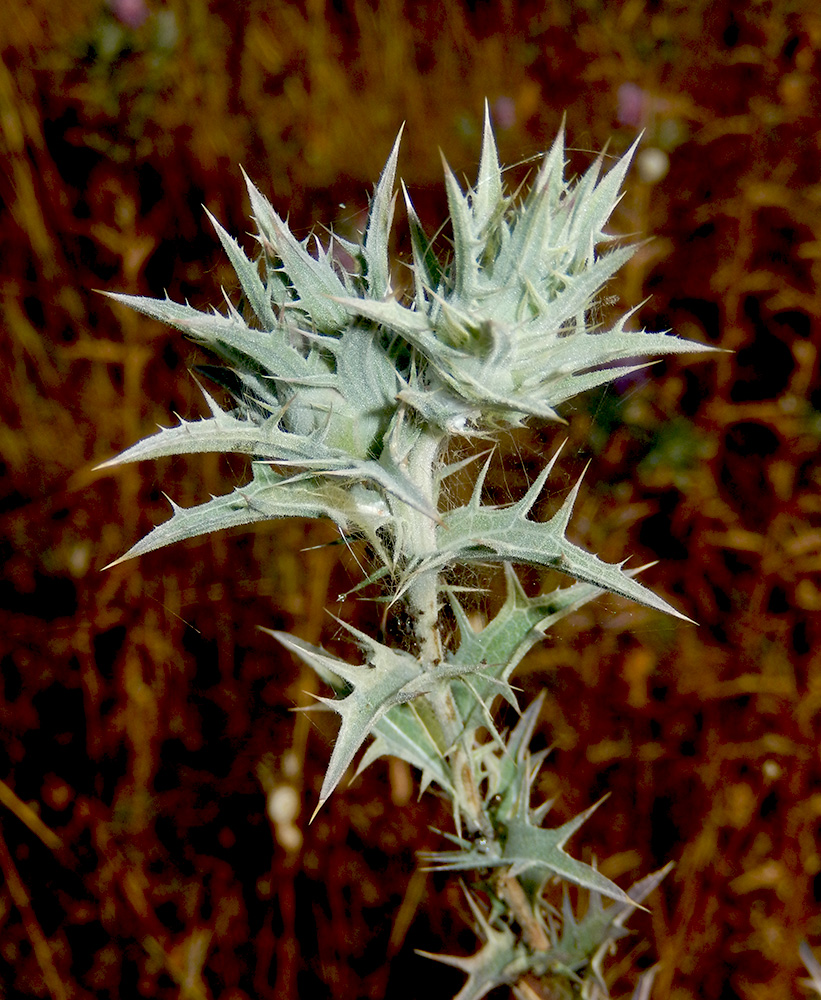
350, 398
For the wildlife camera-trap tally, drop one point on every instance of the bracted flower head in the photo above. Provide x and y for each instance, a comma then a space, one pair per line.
505, 330
334, 378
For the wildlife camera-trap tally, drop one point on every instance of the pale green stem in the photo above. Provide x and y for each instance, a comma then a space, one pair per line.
423, 592
423, 603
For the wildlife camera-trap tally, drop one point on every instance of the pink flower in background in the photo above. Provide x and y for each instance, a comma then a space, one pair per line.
504, 112
131, 13
633, 104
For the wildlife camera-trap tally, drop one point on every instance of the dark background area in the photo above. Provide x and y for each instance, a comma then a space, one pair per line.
144, 718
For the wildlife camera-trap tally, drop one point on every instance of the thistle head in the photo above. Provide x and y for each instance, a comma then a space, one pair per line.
504, 330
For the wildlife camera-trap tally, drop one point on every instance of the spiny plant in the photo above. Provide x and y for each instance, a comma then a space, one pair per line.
350, 396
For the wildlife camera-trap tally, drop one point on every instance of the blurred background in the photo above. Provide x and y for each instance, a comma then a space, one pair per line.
155, 782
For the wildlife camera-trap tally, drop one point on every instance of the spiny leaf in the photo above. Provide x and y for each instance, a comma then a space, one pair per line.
247, 271
476, 533
601, 926
466, 244
576, 354
268, 496
270, 351
376, 243
227, 433
501, 959
591, 936
514, 630
406, 731
528, 846
396, 319
315, 281
518, 625
487, 198
427, 273
365, 374
376, 686
222, 432
594, 205
549, 181
510, 776
545, 332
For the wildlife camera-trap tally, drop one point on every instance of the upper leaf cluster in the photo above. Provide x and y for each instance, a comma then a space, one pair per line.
334, 377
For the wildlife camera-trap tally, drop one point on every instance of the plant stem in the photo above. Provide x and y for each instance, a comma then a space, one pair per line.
511, 891
420, 540
423, 604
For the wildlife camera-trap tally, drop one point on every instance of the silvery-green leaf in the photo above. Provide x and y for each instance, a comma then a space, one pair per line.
601, 926
366, 375
441, 407
560, 391
549, 183
427, 272
254, 395
259, 298
316, 282
510, 776
267, 497
541, 334
412, 326
410, 731
386, 679
528, 846
227, 433
580, 353
223, 432
518, 625
405, 732
531, 848
487, 200
501, 960
594, 205
476, 533
269, 350
466, 245
376, 243
590, 938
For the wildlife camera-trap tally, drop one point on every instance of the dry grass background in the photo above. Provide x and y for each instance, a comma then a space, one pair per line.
144, 718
